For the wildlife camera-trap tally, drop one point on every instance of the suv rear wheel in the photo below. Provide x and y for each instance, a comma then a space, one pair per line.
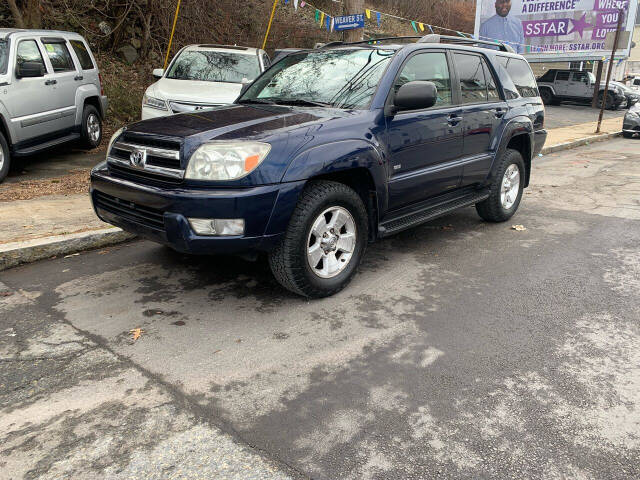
324, 242
506, 189
609, 103
547, 96
4, 158
91, 127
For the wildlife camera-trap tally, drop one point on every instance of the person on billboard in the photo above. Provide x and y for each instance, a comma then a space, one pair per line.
503, 27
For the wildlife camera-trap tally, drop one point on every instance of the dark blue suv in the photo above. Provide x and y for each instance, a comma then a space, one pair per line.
328, 150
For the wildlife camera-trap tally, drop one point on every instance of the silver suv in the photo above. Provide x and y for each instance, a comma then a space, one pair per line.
50, 93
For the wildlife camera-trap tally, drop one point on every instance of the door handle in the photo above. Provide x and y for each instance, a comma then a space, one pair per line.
50, 82
454, 119
77, 78
499, 112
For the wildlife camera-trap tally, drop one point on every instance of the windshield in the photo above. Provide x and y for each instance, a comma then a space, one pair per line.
338, 78
210, 66
4, 56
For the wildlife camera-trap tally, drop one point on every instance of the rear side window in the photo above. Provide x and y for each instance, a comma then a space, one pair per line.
429, 67
550, 76
562, 76
523, 78
83, 54
473, 86
636, 81
28, 51
59, 56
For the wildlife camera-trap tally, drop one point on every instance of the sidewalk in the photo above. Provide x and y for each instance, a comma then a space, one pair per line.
35, 224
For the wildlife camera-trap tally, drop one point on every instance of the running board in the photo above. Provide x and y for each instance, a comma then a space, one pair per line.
436, 210
43, 146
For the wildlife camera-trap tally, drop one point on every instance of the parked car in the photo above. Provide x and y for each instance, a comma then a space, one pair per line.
202, 76
631, 123
630, 97
50, 93
578, 86
634, 84
330, 149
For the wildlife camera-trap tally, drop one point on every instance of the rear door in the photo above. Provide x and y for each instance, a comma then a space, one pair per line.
482, 111
561, 84
64, 76
426, 144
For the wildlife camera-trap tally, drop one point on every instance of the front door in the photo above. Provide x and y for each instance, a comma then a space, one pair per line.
425, 145
482, 111
64, 75
31, 101
561, 85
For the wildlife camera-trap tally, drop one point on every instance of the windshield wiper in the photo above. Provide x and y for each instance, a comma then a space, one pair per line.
255, 100
300, 102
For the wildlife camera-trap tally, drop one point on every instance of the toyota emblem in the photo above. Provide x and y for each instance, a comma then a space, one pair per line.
137, 158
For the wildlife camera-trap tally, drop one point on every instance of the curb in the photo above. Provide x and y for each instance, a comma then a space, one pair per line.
17, 253
579, 143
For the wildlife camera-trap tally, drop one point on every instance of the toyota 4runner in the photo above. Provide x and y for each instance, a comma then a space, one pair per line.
330, 149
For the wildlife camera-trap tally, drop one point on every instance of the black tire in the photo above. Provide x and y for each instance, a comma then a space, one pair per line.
492, 209
547, 96
288, 260
90, 114
5, 158
609, 105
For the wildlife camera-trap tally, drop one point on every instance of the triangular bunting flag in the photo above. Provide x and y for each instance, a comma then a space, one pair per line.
321, 18
295, 4
413, 24
378, 18
368, 12
430, 29
317, 15
331, 29
421, 25
302, 4
327, 23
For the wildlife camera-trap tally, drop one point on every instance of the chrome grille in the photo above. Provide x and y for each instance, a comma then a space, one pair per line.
147, 216
184, 107
146, 157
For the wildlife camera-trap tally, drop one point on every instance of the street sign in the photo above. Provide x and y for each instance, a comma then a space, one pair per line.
348, 22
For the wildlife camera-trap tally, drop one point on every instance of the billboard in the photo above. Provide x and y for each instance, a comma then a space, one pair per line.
556, 30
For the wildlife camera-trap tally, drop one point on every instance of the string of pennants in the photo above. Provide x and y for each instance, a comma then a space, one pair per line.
325, 20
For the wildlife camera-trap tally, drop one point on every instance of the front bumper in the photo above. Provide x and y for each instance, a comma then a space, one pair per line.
631, 124
160, 214
148, 112
539, 138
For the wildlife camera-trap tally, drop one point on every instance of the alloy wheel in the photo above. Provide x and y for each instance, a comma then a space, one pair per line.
510, 186
331, 242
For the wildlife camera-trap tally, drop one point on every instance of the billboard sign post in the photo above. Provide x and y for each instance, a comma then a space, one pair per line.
556, 30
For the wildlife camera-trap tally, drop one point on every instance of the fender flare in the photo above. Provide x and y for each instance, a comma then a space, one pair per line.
340, 156
553, 92
82, 93
517, 126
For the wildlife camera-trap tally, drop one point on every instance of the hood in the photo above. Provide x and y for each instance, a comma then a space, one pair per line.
194, 91
231, 122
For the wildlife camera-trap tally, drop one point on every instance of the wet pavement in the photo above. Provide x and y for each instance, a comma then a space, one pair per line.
461, 349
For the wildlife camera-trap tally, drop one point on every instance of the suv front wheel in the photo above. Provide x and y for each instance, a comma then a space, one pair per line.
506, 189
324, 242
4, 158
91, 131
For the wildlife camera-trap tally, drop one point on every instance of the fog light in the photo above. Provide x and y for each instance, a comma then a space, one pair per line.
217, 226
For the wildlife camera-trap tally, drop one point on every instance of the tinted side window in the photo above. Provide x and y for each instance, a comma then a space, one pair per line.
580, 77
473, 87
83, 54
523, 78
492, 90
430, 67
28, 51
548, 77
562, 76
59, 56
266, 61
636, 81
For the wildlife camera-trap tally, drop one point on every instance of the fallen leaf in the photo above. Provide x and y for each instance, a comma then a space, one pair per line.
518, 228
136, 332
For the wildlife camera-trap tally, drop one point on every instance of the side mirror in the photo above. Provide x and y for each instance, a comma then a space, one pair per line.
415, 95
158, 72
29, 70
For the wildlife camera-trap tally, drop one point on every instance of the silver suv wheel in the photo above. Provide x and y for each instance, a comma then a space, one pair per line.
510, 186
93, 127
1, 158
331, 242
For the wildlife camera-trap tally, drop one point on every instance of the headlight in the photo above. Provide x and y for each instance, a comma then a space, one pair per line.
226, 160
153, 102
113, 139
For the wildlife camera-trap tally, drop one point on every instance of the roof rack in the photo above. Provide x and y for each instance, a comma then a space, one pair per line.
215, 45
431, 38
437, 38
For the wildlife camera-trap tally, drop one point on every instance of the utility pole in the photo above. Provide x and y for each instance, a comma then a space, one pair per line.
613, 54
352, 7
596, 90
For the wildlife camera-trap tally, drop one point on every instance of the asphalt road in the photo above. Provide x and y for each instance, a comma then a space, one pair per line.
461, 350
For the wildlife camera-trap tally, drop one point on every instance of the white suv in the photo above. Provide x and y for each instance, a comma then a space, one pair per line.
50, 93
202, 76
